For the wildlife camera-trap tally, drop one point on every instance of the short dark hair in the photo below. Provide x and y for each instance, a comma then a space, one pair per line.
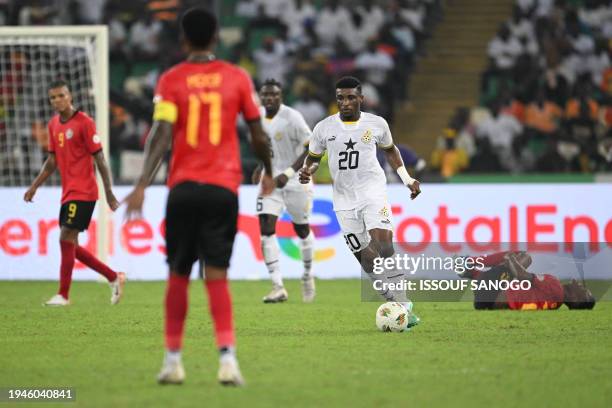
271, 82
199, 26
348, 82
58, 83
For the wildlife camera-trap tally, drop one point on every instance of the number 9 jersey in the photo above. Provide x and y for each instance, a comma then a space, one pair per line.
358, 179
202, 101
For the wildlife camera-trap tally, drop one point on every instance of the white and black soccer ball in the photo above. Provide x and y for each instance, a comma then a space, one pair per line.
392, 317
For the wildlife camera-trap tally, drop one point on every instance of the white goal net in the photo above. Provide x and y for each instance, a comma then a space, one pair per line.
31, 58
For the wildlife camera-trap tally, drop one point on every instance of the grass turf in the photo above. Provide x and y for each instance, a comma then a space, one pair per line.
324, 354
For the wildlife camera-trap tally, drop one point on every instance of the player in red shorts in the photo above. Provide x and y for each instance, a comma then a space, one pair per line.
196, 105
74, 147
546, 292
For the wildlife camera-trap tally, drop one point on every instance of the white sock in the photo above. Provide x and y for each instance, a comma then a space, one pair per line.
271, 253
307, 247
173, 357
227, 354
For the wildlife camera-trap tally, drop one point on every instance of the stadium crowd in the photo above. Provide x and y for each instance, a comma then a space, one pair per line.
546, 96
303, 44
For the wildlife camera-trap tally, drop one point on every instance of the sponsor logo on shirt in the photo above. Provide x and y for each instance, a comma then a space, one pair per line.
331, 139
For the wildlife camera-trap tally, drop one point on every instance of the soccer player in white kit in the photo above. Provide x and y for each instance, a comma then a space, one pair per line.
289, 136
351, 138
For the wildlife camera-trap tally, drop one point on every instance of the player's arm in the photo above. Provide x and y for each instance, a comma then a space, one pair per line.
105, 174
261, 147
311, 165
47, 170
394, 158
282, 179
158, 142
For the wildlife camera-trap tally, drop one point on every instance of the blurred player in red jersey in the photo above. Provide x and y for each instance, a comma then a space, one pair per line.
196, 105
74, 147
546, 292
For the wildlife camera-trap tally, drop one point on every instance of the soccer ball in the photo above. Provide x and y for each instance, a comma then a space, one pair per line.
392, 317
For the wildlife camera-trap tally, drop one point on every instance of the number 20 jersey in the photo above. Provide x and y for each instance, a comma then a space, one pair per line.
202, 101
351, 147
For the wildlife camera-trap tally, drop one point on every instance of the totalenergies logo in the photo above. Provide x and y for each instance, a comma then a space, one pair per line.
321, 209
331, 227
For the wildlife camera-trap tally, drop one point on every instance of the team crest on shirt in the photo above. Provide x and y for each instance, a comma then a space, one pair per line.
69, 134
96, 139
384, 211
367, 136
278, 136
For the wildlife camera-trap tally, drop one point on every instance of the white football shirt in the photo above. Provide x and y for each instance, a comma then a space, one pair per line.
289, 135
357, 176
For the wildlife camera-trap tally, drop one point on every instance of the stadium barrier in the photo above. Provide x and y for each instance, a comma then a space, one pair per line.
477, 214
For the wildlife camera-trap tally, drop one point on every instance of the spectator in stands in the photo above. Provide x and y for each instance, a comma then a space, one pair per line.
504, 50
373, 18
376, 66
556, 87
312, 109
144, 38
117, 38
333, 22
447, 157
271, 60
275, 8
298, 15
501, 130
37, 12
542, 116
90, 11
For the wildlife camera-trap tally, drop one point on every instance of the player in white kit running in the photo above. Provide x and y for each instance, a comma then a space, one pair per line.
289, 136
351, 138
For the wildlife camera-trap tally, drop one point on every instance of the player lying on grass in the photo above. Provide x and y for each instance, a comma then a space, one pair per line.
288, 134
196, 106
74, 147
546, 291
351, 138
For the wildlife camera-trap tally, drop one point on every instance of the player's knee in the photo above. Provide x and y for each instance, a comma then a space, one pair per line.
302, 230
386, 250
267, 226
69, 234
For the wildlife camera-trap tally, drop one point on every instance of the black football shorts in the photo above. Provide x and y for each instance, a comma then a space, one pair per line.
76, 214
201, 223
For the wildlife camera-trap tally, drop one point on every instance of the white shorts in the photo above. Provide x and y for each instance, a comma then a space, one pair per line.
356, 223
295, 198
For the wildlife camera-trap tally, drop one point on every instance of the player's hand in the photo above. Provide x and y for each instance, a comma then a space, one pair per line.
29, 195
267, 184
112, 201
415, 188
281, 180
134, 202
304, 175
256, 175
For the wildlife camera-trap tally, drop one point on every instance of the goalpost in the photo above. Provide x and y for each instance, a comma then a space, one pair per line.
30, 59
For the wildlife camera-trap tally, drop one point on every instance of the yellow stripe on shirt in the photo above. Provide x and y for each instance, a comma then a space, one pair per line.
166, 111
311, 154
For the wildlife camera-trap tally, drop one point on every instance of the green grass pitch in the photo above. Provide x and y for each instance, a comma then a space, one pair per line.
324, 354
